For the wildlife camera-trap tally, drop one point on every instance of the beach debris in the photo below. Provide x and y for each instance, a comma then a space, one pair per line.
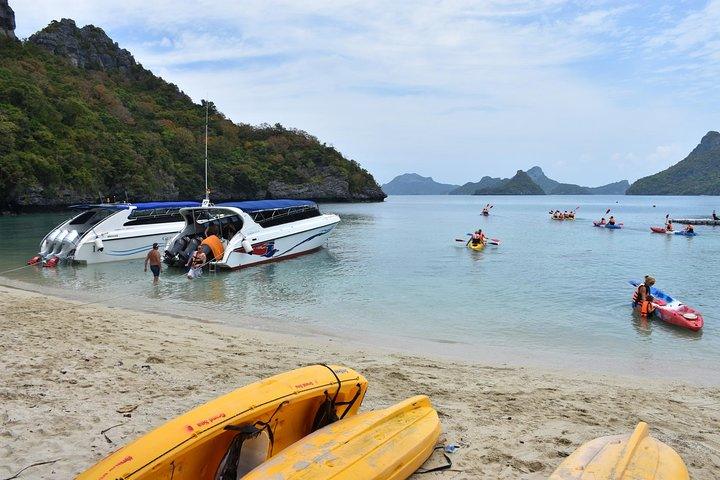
127, 408
30, 466
451, 448
154, 359
104, 432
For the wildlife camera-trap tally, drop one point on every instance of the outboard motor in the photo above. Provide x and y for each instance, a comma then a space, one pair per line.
57, 246
177, 247
189, 249
68, 243
49, 243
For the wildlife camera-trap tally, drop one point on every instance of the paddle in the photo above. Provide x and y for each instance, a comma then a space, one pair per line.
490, 241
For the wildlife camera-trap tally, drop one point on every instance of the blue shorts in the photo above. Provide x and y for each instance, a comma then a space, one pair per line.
155, 269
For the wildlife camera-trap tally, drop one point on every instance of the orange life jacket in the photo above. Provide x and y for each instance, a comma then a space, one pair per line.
646, 308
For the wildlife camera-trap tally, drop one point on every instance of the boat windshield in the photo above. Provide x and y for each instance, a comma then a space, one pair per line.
92, 217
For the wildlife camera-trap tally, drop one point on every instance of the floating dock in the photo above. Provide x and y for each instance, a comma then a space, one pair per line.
697, 221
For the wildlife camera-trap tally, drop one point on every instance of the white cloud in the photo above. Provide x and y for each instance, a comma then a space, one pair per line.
453, 89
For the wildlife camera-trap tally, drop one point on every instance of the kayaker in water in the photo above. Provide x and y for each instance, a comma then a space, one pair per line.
669, 226
603, 221
689, 229
478, 237
715, 217
611, 220
642, 299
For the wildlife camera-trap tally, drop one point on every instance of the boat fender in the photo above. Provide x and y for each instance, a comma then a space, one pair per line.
99, 247
247, 246
34, 260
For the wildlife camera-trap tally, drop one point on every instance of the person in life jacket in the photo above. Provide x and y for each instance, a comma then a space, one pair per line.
603, 221
611, 220
478, 237
689, 228
669, 226
642, 299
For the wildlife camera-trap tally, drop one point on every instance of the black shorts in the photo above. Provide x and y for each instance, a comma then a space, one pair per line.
155, 269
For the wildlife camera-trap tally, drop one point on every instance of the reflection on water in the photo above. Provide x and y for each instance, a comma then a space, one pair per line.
395, 270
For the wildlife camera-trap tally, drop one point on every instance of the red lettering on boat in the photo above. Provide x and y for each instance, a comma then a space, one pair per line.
124, 460
210, 420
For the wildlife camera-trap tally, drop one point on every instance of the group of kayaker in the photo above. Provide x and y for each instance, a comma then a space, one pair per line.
669, 227
566, 215
478, 238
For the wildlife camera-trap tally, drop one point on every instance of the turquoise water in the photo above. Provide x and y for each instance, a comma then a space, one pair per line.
553, 293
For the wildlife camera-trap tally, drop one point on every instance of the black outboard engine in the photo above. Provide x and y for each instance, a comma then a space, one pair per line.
191, 246
177, 247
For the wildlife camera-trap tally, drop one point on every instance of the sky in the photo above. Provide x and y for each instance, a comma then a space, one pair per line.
592, 91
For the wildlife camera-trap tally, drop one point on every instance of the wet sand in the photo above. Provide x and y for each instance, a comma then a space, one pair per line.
69, 371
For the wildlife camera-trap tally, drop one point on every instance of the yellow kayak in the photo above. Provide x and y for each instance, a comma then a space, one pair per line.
236, 432
475, 246
623, 457
387, 444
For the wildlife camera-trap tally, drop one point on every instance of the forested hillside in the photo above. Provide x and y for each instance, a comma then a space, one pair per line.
80, 119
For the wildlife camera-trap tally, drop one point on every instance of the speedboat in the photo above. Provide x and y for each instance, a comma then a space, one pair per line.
106, 232
238, 234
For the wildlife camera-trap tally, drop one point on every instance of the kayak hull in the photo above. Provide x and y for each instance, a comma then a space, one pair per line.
388, 444
659, 230
477, 247
193, 445
686, 234
623, 457
607, 225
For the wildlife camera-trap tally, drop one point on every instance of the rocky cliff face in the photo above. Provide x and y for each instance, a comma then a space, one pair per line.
87, 47
7, 21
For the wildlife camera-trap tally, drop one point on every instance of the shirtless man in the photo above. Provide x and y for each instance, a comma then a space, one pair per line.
153, 258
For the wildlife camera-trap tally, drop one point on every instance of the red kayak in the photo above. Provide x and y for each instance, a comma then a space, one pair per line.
673, 311
659, 230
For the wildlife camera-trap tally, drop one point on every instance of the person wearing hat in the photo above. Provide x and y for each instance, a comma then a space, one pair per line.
642, 298
153, 258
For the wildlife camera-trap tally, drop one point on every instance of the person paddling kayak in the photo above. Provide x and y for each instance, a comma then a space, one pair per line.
689, 229
642, 299
611, 220
669, 226
715, 217
477, 237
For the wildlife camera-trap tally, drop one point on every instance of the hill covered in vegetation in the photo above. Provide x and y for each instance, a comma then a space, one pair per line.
520, 184
696, 174
80, 119
414, 184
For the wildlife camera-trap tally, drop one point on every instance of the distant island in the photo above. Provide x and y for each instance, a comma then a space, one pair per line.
520, 184
414, 184
696, 174
81, 119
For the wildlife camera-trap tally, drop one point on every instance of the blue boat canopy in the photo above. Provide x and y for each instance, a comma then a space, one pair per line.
138, 206
259, 205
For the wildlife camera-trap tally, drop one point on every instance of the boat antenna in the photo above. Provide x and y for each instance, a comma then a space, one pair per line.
206, 201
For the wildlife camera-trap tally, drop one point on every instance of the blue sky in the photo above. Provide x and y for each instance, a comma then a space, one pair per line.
592, 91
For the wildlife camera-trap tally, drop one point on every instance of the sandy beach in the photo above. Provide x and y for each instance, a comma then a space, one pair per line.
70, 372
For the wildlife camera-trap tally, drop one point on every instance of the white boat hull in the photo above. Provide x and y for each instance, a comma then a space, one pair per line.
281, 248
121, 247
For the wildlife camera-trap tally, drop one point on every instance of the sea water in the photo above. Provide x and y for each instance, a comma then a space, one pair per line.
554, 293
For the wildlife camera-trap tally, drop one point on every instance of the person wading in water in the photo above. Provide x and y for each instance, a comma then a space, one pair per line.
642, 300
153, 258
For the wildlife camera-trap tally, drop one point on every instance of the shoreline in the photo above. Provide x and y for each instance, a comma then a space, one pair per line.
69, 367
434, 348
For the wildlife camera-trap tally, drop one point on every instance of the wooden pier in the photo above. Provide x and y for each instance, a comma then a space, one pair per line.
697, 221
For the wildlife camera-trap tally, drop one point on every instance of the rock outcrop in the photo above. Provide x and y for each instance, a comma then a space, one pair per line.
7, 21
87, 47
